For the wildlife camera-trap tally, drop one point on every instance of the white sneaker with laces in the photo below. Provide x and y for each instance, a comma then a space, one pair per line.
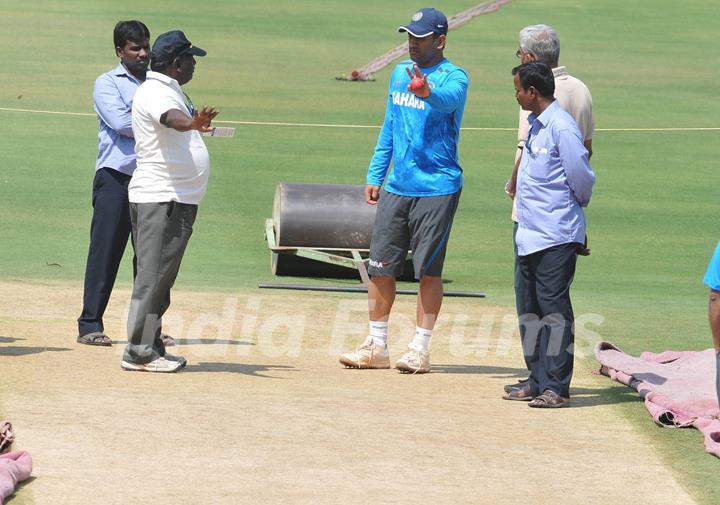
414, 361
368, 355
175, 357
160, 365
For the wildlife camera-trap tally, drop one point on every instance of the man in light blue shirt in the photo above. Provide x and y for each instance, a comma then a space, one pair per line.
554, 183
110, 228
420, 134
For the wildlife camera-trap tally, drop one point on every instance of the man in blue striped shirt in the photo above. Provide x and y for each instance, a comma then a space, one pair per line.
554, 183
110, 227
420, 133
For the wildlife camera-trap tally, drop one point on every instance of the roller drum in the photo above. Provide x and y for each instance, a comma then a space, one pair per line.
322, 216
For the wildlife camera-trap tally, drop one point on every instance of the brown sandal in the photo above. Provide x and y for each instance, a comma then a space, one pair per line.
7, 436
549, 400
518, 385
95, 338
522, 394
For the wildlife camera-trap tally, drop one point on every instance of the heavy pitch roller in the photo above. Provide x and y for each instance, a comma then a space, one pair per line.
320, 230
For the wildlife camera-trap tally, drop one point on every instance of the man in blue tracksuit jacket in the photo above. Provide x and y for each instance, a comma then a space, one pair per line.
712, 280
426, 100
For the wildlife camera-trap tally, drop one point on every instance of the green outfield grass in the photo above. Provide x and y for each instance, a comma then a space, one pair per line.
652, 221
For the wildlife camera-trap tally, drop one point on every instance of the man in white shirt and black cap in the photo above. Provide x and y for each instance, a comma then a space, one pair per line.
169, 182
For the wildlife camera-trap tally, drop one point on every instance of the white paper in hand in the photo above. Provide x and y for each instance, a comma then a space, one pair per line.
221, 131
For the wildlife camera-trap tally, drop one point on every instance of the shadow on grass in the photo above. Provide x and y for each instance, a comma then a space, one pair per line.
506, 372
593, 397
19, 500
200, 341
241, 368
15, 350
581, 397
9, 340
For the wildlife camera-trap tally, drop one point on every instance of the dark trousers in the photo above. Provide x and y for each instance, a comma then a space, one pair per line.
161, 232
517, 277
109, 232
546, 317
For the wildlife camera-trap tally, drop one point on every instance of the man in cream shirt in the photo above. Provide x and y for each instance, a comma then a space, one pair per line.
169, 182
541, 43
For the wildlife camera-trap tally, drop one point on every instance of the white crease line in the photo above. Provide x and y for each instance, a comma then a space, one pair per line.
320, 125
311, 125
680, 129
48, 112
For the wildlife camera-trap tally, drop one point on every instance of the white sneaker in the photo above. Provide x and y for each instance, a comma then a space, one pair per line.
368, 355
414, 361
175, 357
160, 365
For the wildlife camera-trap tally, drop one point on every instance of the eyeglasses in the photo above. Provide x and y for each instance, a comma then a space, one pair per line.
518, 53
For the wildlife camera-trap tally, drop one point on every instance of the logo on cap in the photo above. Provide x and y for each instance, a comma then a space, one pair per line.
417, 17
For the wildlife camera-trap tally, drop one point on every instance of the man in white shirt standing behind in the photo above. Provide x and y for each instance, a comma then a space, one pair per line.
171, 178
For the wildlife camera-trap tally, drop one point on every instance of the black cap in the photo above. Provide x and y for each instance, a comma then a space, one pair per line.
426, 22
170, 45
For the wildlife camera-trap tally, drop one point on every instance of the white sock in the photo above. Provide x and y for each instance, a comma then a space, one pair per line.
379, 333
421, 342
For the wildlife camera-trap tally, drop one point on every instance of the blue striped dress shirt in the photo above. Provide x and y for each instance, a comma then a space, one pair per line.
113, 97
554, 183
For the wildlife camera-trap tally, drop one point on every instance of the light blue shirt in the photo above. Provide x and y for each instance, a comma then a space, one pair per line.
554, 182
113, 97
712, 274
421, 136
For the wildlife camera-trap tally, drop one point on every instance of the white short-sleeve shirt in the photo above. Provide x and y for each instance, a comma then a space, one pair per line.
171, 165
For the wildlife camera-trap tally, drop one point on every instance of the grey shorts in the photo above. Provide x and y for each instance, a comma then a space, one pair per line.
419, 223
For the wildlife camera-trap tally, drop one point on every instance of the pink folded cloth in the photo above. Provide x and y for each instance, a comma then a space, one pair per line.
14, 467
678, 387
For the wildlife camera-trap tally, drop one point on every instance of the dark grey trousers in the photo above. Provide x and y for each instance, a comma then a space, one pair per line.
546, 317
161, 232
517, 276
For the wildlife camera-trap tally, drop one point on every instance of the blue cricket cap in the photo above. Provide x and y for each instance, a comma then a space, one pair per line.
426, 22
